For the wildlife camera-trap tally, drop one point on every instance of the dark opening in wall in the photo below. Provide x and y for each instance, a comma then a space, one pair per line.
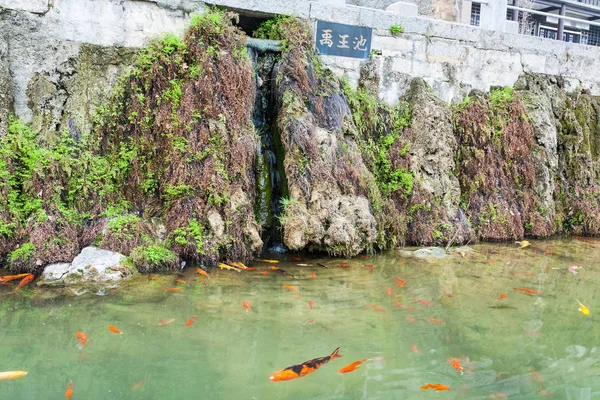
249, 20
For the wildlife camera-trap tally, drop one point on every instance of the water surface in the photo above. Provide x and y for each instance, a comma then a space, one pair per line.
536, 342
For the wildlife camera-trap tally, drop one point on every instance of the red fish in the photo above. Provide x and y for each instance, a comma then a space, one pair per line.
400, 282
172, 289
203, 272
456, 364
344, 265
310, 321
542, 391
151, 278
83, 339
310, 304
376, 308
529, 274
296, 294
415, 349
435, 320
305, 368
502, 296
410, 319
551, 251
265, 272
364, 257
368, 265
24, 281
250, 269
526, 291
314, 274
389, 292
8, 278
423, 301
352, 367
180, 281
137, 386
400, 305
166, 321
536, 375
297, 258
246, 306
114, 330
190, 321
436, 386
69, 393
290, 287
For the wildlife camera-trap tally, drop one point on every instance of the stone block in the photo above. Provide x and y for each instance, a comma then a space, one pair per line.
403, 8
446, 51
33, 6
533, 62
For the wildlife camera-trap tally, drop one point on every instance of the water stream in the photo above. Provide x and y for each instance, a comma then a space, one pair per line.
513, 347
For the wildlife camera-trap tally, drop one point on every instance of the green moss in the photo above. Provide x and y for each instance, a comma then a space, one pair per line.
500, 97
22, 254
284, 28
396, 29
152, 258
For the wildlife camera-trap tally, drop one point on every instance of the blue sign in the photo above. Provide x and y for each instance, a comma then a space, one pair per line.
343, 40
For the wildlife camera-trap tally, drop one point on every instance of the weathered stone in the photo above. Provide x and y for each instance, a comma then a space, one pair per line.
5, 88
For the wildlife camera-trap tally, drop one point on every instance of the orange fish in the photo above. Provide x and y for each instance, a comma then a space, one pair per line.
83, 339
498, 395
180, 281
400, 305
246, 306
172, 289
310, 321
415, 349
401, 262
151, 278
138, 385
376, 308
542, 391
273, 268
456, 364
190, 321
410, 319
296, 294
250, 269
24, 282
551, 251
447, 294
166, 321
422, 301
69, 391
352, 367
400, 282
115, 330
289, 287
8, 278
526, 291
368, 265
314, 274
203, 272
436, 386
364, 257
536, 375
502, 296
435, 320
529, 274
344, 265
265, 272
310, 304
297, 258
305, 368
389, 292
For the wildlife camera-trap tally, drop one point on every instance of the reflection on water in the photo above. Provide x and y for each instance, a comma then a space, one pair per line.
522, 347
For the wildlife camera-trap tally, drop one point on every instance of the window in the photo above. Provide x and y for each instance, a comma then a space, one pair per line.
475, 13
594, 36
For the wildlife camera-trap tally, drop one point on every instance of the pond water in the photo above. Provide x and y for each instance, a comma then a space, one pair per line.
522, 347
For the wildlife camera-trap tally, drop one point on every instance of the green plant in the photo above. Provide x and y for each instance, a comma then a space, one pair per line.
152, 258
23, 253
396, 29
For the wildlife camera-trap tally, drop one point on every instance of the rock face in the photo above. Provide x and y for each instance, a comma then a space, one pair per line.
92, 265
5, 87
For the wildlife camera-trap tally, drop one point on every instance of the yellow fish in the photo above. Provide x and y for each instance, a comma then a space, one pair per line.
584, 310
5, 376
239, 265
269, 261
523, 243
225, 266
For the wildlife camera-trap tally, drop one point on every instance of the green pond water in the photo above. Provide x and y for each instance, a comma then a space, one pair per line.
228, 353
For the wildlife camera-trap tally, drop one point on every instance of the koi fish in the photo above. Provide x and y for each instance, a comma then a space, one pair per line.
265, 272
24, 281
246, 305
190, 321
415, 349
422, 301
180, 281
8, 278
364, 257
377, 308
305, 368
526, 291
304, 265
436, 321
447, 294
573, 269
389, 292
296, 258
543, 392
352, 367
239, 264
250, 269
69, 393
400, 305
283, 271
456, 364
523, 243
322, 265
137, 386
151, 278
401, 262
269, 261
314, 275
400, 282
344, 265
296, 294
310, 304
166, 321
584, 310
410, 319
115, 330
368, 265
436, 386
172, 289
498, 395
289, 287
8, 375
83, 339
203, 272
536, 375
548, 252
502, 296
225, 266
529, 274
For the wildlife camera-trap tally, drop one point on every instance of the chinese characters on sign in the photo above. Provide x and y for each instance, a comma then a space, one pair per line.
343, 40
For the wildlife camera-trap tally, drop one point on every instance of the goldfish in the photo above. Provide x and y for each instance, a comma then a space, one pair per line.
401, 262
115, 330
400, 282
239, 264
415, 349
296, 294
190, 321
543, 392
456, 364
166, 321
180, 281
377, 308
352, 367
310, 304
225, 266
548, 252
250, 269
523, 243
447, 294
573, 269
368, 265
8, 278
289, 287
584, 310
5, 376
536, 375
305, 368
26, 280
203, 272
400, 305
69, 393
422, 301
310, 321
344, 265
172, 289
389, 292
410, 319
435, 320
137, 386
462, 254
436, 386
526, 291
314, 275
270, 261
246, 305
83, 337
151, 278
502, 296
529, 274
296, 258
